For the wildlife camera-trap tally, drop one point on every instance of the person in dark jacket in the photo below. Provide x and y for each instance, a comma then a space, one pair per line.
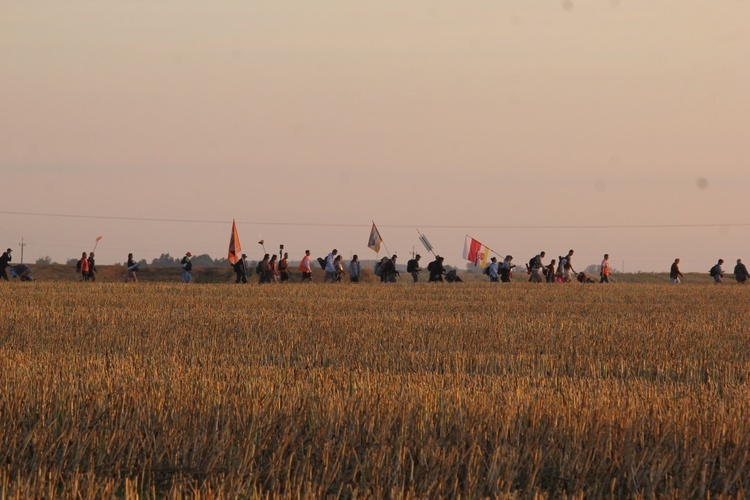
240, 269
4, 263
187, 267
92, 267
389, 274
132, 270
412, 267
740, 272
436, 269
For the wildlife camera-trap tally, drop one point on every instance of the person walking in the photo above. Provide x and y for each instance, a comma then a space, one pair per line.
131, 275
717, 272
338, 265
187, 267
92, 267
5, 260
549, 272
273, 271
330, 268
674, 273
389, 273
84, 266
492, 271
740, 272
506, 269
436, 269
240, 269
568, 272
412, 267
605, 270
265, 270
535, 268
284, 268
305, 266
354, 269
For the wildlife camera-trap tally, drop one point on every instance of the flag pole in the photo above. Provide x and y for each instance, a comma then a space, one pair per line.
96, 242
382, 241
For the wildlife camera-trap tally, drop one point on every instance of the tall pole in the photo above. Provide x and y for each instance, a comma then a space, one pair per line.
22, 244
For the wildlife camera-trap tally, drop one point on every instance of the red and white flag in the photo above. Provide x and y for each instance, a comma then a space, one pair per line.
235, 249
476, 252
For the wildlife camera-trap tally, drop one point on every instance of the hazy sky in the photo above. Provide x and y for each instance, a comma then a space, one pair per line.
438, 115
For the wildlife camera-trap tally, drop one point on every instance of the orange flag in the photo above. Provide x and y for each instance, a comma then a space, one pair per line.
234, 245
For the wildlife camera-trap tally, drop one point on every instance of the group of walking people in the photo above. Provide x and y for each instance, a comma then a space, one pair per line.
86, 267
558, 270
275, 269
717, 272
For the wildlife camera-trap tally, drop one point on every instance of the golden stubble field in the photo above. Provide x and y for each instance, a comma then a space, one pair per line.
374, 390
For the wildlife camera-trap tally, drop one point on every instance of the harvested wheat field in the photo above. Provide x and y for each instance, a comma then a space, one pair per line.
432, 390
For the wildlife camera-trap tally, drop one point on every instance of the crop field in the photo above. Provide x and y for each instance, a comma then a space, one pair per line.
428, 390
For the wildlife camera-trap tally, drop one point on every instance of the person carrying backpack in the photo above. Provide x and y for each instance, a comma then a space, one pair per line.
491, 271
740, 272
187, 266
717, 272
436, 269
330, 267
412, 267
535, 268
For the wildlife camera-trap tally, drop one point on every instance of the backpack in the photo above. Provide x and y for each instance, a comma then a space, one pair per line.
378, 269
712, 271
431, 267
78, 266
486, 271
259, 268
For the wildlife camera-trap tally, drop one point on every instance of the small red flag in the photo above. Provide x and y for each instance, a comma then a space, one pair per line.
234, 245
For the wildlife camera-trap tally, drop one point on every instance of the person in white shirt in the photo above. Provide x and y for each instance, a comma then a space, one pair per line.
331, 267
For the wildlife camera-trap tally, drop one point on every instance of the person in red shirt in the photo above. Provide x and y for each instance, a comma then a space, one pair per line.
84, 267
606, 270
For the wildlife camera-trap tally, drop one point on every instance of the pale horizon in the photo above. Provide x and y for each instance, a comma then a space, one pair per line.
454, 118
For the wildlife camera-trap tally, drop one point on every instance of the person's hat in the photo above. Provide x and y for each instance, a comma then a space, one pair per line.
189, 254
509, 257
244, 256
9, 250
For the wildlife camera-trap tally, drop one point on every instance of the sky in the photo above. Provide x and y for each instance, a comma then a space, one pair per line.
529, 125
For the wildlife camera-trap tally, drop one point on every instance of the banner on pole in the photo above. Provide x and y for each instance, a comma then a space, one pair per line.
476, 252
235, 248
375, 240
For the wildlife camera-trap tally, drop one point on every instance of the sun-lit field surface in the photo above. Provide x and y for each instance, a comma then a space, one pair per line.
374, 390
